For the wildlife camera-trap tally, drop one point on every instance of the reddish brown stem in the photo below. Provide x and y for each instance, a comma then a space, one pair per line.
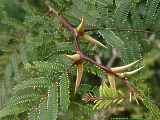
106, 69
67, 25
70, 27
130, 88
76, 35
77, 45
62, 20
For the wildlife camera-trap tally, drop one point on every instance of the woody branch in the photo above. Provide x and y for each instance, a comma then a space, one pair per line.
71, 28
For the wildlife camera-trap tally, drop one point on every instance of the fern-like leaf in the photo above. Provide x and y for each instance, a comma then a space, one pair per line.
151, 15
43, 111
153, 109
19, 104
41, 82
107, 97
122, 12
33, 115
64, 92
52, 103
112, 39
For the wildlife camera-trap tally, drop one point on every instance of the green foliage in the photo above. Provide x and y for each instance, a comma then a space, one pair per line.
153, 109
18, 104
52, 103
40, 82
34, 81
108, 96
64, 92
152, 12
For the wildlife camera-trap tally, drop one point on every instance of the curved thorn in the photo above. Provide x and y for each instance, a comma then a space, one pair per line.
133, 72
130, 97
92, 40
80, 28
125, 67
74, 57
126, 74
79, 75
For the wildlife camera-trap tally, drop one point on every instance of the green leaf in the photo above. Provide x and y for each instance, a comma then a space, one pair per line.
43, 111
112, 39
41, 82
33, 115
52, 103
12, 110
153, 109
106, 91
122, 12
151, 15
64, 92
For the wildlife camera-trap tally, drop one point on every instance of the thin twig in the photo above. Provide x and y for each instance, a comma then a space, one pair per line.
113, 58
120, 29
76, 35
106, 69
98, 59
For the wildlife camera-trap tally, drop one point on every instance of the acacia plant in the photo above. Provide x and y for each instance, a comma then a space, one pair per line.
53, 53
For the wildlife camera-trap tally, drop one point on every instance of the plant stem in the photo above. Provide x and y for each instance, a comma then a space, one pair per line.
76, 35
106, 69
119, 29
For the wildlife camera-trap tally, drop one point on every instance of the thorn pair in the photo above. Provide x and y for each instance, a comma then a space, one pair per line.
121, 72
80, 30
79, 64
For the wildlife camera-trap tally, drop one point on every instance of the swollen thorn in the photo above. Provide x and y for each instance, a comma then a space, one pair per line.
81, 32
125, 67
75, 57
126, 74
